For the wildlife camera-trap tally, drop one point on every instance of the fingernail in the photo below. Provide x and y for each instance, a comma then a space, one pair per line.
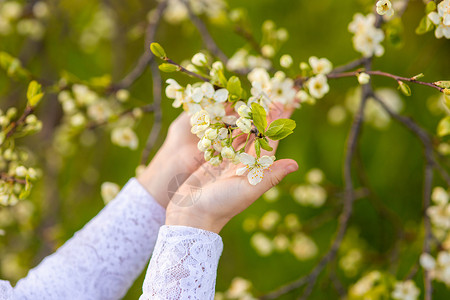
292, 168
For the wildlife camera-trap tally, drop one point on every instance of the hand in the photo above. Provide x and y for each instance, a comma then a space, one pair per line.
223, 194
178, 155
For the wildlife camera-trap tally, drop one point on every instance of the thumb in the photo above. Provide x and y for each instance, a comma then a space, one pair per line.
273, 176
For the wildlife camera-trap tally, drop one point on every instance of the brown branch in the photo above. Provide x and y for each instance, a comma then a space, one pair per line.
344, 218
12, 179
428, 181
16, 124
184, 70
421, 134
349, 66
248, 36
157, 124
206, 36
384, 74
147, 56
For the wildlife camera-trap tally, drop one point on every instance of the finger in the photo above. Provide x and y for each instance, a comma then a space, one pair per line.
273, 176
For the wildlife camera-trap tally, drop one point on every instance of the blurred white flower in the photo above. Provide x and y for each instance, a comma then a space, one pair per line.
124, 137
109, 191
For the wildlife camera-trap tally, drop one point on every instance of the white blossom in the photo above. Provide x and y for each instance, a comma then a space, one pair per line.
199, 59
318, 86
367, 37
124, 137
109, 191
255, 167
405, 290
384, 7
441, 19
320, 65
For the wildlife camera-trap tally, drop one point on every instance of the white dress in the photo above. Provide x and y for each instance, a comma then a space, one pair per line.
102, 260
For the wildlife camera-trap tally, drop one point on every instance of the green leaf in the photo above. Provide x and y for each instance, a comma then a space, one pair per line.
259, 117
279, 129
34, 93
431, 6
265, 145
443, 127
425, 25
442, 84
257, 148
157, 50
168, 68
234, 87
404, 88
418, 76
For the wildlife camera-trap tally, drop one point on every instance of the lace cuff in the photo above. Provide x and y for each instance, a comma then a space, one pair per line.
183, 265
102, 260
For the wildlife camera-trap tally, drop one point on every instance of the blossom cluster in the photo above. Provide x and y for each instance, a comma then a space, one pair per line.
311, 193
441, 19
439, 214
378, 285
177, 11
12, 19
15, 177
207, 101
83, 107
367, 37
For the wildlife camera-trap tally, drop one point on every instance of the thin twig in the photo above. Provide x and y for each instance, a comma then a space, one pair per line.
385, 74
16, 124
8, 178
206, 36
157, 124
147, 56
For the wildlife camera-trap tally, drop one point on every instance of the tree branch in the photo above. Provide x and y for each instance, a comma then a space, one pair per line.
147, 56
157, 124
206, 36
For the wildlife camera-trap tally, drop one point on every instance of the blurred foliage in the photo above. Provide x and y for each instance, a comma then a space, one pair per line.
68, 194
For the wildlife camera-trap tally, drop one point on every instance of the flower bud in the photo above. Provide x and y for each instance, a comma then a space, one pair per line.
21, 171
363, 78
286, 61
215, 161
228, 152
199, 59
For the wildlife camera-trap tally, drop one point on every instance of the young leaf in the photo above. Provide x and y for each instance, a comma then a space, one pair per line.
257, 148
279, 129
157, 50
443, 127
442, 84
234, 87
431, 6
34, 93
406, 90
259, 117
168, 68
265, 145
425, 25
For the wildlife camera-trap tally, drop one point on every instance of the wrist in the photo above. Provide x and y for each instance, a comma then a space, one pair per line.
185, 217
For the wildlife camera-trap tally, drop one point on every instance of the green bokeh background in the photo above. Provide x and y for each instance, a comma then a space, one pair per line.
392, 158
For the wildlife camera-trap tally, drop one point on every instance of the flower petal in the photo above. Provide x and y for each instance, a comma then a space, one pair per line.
265, 161
241, 171
221, 95
247, 159
255, 176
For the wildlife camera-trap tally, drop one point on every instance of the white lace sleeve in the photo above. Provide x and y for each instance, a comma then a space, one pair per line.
102, 260
183, 265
